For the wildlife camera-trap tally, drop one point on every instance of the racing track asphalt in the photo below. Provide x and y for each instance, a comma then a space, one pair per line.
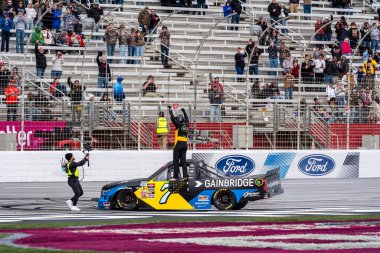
46, 201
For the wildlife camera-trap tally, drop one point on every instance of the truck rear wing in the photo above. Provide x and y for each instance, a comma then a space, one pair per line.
273, 182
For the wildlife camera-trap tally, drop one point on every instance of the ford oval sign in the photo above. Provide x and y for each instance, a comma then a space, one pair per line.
316, 165
235, 165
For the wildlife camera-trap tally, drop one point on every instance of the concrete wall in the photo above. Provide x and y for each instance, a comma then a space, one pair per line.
33, 166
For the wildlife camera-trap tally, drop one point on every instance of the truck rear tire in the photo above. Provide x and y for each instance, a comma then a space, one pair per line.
224, 199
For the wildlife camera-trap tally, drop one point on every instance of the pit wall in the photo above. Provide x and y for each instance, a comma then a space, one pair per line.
43, 166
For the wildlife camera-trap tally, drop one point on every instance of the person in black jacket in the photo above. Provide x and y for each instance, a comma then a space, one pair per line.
95, 12
104, 75
41, 63
76, 99
71, 168
274, 10
236, 11
4, 77
254, 55
181, 123
240, 62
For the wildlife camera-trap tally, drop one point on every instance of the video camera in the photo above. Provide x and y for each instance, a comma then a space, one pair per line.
87, 147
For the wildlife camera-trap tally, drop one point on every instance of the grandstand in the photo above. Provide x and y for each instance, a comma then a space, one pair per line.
200, 45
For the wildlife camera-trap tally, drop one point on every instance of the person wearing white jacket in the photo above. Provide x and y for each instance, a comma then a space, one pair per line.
319, 67
330, 91
30, 15
56, 69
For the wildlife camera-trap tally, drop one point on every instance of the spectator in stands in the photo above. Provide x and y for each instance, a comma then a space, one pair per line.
11, 100
283, 18
288, 63
340, 93
359, 76
254, 55
88, 26
104, 75
340, 31
264, 25
154, 21
58, 62
319, 32
289, 84
296, 69
20, 25
140, 43
317, 105
131, 45
236, 11
343, 66
62, 39
48, 37
37, 7
336, 52
255, 90
201, 4
330, 91
69, 20
74, 9
367, 102
329, 70
6, 24
346, 48
274, 10
274, 91
215, 95
20, 6
349, 81
307, 8
364, 31
76, 40
54, 85
375, 98
60, 91
110, 38
4, 77
47, 19
16, 76
293, 6
327, 28
266, 92
10, 9
283, 50
144, 19
57, 14
123, 43
354, 34
118, 93
95, 12
319, 68
41, 62
240, 62
30, 15
227, 10
165, 45
307, 70
367, 81
273, 57
273, 37
105, 98
150, 87
37, 37
375, 37
370, 65
31, 111
76, 98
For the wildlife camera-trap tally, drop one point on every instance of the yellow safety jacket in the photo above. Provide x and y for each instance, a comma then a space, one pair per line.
76, 173
162, 126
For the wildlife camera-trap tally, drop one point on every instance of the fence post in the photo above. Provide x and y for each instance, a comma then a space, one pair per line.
124, 125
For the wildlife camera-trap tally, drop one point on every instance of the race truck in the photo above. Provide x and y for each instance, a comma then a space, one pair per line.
204, 187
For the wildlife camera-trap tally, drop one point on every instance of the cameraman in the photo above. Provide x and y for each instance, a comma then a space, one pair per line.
72, 171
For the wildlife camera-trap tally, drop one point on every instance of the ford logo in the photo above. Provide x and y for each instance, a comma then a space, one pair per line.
235, 165
316, 165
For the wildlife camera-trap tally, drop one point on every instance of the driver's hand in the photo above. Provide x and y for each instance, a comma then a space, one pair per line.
87, 157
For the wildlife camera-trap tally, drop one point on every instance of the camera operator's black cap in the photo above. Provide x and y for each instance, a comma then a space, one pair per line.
68, 156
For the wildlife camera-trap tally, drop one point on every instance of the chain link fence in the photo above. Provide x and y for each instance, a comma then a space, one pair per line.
264, 124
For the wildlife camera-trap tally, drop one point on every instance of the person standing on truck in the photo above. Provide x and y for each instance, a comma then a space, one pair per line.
71, 168
181, 123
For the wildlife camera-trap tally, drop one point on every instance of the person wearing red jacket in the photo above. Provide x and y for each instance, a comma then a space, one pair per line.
76, 40
346, 48
11, 100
